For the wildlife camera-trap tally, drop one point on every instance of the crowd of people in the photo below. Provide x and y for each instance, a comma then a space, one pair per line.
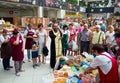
70, 40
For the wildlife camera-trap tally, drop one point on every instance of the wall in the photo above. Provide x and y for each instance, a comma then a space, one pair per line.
15, 12
50, 13
61, 13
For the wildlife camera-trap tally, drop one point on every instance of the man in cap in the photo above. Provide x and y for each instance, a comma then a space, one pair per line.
98, 36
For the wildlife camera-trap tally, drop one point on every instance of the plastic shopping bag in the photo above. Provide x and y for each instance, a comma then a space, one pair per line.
74, 46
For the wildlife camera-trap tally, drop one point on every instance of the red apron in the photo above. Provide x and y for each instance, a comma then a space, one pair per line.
112, 76
28, 44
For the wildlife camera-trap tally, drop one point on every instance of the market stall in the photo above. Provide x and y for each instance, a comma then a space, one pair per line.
72, 74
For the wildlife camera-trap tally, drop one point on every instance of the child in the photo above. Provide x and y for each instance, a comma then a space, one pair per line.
34, 51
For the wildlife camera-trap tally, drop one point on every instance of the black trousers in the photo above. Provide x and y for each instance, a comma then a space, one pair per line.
64, 52
84, 46
6, 62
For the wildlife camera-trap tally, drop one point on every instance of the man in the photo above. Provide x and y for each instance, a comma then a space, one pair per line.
85, 38
56, 45
98, 36
105, 63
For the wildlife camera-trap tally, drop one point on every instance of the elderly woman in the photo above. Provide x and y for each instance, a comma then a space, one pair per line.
16, 42
5, 46
110, 36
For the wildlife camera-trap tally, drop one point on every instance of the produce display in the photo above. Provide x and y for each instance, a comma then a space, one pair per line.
75, 74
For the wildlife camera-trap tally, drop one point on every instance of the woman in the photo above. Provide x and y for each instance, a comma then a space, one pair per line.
110, 36
106, 64
29, 38
5, 46
80, 28
56, 46
71, 38
65, 37
17, 50
42, 34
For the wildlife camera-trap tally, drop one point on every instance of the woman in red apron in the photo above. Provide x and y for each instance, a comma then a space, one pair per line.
29, 39
110, 77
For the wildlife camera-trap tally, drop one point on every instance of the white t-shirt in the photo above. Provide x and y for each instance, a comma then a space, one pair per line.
1, 22
2, 39
42, 35
110, 37
66, 32
26, 31
103, 62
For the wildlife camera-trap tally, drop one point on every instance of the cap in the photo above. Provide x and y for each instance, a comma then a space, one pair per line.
15, 32
97, 26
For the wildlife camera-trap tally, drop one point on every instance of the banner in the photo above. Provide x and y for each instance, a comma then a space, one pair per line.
59, 4
100, 10
52, 3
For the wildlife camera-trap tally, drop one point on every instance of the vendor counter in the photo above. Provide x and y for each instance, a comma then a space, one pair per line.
68, 75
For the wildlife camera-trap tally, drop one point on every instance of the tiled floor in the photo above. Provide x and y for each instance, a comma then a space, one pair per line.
29, 76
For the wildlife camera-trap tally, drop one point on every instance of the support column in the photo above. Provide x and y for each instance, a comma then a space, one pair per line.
40, 11
61, 13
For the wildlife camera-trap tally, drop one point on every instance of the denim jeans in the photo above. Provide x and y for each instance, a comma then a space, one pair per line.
28, 54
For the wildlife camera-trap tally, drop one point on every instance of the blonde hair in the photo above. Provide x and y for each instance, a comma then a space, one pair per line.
110, 27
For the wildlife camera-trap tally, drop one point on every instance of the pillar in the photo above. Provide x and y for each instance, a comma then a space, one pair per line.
40, 11
60, 13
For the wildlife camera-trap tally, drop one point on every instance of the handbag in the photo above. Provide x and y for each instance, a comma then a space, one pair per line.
99, 38
45, 51
105, 46
74, 46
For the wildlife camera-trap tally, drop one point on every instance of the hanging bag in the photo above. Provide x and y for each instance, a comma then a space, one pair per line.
99, 38
45, 51
74, 46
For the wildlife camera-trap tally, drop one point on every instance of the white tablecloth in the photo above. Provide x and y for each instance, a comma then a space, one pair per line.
48, 79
